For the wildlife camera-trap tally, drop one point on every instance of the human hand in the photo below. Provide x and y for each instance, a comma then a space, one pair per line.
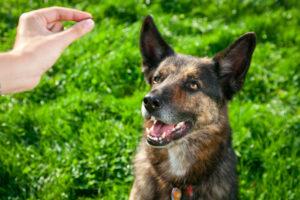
39, 42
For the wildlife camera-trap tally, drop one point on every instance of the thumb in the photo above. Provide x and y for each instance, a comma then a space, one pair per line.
68, 36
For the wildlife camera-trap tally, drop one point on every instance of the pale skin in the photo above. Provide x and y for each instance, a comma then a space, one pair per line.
40, 40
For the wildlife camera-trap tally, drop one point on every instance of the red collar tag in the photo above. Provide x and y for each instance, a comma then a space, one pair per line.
189, 190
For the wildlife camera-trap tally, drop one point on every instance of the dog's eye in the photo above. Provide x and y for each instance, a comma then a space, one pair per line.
193, 85
156, 79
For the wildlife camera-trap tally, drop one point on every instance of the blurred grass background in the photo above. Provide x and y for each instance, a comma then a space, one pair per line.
74, 136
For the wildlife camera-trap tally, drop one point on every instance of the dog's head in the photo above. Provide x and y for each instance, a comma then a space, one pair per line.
187, 92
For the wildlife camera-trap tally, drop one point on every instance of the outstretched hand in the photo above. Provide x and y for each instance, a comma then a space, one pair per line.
40, 40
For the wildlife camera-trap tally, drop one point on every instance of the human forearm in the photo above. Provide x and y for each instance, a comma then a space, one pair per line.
15, 74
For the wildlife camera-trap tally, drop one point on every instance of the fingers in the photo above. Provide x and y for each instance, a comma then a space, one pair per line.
54, 14
55, 27
68, 36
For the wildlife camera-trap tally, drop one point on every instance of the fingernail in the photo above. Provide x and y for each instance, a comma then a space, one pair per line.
89, 14
88, 23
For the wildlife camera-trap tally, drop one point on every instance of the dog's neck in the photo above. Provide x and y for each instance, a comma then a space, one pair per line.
179, 160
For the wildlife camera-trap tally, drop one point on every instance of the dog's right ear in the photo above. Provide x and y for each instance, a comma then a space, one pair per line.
153, 48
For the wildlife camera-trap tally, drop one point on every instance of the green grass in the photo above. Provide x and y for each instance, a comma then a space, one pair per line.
75, 135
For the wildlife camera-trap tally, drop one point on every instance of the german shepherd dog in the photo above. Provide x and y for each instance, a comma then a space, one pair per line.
186, 150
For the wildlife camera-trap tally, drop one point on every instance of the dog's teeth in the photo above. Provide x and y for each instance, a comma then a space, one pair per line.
163, 135
151, 129
154, 138
147, 130
180, 124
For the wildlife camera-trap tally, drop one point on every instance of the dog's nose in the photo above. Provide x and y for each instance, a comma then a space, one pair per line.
151, 103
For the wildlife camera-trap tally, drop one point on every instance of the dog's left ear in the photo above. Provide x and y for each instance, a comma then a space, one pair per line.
233, 63
153, 48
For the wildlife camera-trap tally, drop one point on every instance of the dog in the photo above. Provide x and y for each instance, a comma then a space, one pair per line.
186, 150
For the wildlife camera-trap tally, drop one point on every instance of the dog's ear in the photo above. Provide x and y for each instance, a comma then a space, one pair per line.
153, 48
233, 63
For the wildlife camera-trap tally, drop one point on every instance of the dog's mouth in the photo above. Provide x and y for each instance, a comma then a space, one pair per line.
161, 134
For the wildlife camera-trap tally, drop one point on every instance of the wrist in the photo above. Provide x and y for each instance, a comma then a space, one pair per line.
19, 56
15, 72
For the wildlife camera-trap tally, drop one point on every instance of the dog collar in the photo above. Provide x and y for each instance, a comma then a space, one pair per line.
177, 193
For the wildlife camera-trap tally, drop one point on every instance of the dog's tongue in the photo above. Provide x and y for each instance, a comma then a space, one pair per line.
159, 128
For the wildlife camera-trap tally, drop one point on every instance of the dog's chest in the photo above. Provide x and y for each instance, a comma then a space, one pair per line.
178, 161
